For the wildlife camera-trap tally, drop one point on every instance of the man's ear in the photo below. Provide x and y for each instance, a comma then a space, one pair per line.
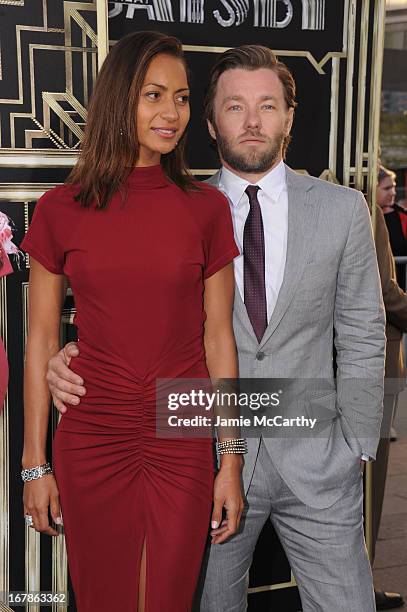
289, 122
211, 129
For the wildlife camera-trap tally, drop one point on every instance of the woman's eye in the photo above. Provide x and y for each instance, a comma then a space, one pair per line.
153, 95
183, 99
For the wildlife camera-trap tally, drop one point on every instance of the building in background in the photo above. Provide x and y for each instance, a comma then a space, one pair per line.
393, 134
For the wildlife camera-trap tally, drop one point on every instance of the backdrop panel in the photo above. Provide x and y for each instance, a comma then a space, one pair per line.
49, 57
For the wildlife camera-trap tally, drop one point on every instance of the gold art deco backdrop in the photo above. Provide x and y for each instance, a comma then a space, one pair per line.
50, 52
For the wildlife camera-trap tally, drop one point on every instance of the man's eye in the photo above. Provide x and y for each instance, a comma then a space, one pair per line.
268, 106
235, 107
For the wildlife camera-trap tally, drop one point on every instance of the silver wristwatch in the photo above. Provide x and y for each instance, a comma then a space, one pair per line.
36, 472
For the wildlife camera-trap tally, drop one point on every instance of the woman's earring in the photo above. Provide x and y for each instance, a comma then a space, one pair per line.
122, 132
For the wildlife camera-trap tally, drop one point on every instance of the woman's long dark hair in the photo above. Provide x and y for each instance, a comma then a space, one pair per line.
110, 147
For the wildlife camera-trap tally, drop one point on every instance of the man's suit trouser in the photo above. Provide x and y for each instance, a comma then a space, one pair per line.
326, 548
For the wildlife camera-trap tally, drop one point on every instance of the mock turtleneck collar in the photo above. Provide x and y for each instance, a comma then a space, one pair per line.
147, 177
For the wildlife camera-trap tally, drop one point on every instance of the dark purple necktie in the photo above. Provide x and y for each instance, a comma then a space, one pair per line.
254, 258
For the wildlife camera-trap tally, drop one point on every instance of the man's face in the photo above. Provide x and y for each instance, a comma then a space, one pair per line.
251, 119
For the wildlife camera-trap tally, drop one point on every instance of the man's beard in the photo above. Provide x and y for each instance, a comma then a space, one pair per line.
253, 161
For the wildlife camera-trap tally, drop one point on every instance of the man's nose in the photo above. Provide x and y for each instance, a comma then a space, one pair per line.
252, 119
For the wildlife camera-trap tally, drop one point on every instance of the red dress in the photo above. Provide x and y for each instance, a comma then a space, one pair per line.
137, 271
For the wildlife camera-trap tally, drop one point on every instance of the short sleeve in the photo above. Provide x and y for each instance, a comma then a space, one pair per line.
220, 245
43, 241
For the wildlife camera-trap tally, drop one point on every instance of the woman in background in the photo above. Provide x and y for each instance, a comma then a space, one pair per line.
395, 217
148, 254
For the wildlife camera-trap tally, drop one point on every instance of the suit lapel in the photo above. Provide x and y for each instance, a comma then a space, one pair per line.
241, 312
302, 218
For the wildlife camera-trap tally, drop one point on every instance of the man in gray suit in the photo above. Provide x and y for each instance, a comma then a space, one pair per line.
307, 279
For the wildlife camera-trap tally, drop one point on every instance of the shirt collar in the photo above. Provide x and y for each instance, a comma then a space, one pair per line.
272, 184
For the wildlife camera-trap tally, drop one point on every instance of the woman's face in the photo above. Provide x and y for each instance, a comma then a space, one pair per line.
386, 191
163, 110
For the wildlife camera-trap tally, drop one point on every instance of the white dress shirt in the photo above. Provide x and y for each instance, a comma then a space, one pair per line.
273, 201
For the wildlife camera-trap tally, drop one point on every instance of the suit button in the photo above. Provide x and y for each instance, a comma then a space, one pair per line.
260, 356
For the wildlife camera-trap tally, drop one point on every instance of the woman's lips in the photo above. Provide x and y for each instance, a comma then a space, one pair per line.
165, 132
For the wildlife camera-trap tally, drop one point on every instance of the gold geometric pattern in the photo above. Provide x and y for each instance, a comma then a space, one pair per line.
60, 119
281, 53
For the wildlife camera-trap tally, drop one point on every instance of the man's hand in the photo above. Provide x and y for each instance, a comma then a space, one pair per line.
227, 494
65, 386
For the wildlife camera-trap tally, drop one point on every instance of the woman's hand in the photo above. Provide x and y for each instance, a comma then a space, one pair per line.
228, 494
39, 495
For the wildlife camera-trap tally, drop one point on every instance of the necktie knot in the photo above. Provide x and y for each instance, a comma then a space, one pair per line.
251, 191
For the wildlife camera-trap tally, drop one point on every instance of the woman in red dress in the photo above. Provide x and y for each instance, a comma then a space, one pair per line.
148, 252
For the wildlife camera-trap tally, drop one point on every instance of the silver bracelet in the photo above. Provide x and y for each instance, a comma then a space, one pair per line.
236, 446
36, 472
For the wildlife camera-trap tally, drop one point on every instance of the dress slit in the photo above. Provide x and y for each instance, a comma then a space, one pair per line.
142, 584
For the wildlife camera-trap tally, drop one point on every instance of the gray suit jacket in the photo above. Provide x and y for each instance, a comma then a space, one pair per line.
330, 295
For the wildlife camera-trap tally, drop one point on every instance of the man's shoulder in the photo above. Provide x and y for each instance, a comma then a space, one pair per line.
325, 191
321, 187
